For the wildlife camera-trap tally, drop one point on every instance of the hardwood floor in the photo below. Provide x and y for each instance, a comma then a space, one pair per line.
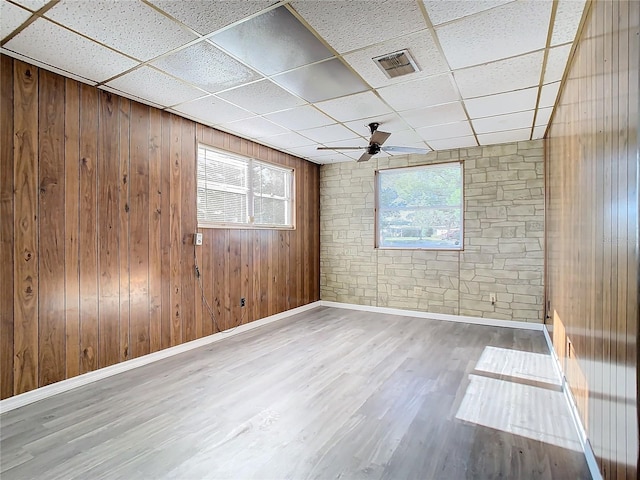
329, 393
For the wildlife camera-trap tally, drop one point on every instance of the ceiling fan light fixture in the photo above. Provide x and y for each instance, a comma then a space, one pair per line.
396, 64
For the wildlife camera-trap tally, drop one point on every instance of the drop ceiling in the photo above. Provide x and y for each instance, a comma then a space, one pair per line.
296, 75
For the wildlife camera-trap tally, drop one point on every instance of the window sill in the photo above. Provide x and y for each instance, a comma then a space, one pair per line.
245, 226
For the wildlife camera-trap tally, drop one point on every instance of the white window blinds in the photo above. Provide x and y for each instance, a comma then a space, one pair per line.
242, 191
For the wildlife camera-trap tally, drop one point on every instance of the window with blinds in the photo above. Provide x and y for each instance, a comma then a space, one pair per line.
236, 190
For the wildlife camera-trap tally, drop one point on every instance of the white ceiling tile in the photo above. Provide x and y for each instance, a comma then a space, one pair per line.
287, 140
406, 138
11, 17
112, 23
32, 4
504, 137
426, 117
46, 66
355, 155
556, 63
422, 48
206, 67
501, 103
549, 94
543, 116
425, 92
360, 105
255, 127
568, 17
321, 81
300, 118
510, 121
459, 142
506, 31
329, 133
538, 132
310, 151
356, 24
262, 97
501, 76
107, 88
333, 158
441, 12
46, 42
449, 130
212, 110
155, 86
390, 122
420, 145
265, 42
205, 16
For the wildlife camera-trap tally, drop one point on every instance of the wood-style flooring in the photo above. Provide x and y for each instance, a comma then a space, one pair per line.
329, 393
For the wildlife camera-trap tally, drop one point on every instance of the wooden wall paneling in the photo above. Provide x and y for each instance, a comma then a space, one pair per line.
271, 254
123, 235
88, 237
266, 284
207, 273
165, 231
205, 256
108, 168
188, 217
139, 228
593, 248
199, 304
234, 279
175, 205
220, 304
608, 466
246, 285
632, 327
300, 219
306, 253
51, 245
256, 272
124, 250
6, 227
72, 227
155, 234
25, 293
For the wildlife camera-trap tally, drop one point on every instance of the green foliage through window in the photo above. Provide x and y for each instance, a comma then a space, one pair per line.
420, 207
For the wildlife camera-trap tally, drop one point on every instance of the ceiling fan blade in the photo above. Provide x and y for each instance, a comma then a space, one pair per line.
405, 149
341, 148
379, 137
365, 156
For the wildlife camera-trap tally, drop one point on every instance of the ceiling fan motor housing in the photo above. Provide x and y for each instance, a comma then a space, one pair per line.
373, 148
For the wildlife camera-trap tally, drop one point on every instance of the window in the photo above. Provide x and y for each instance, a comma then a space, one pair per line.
420, 207
236, 190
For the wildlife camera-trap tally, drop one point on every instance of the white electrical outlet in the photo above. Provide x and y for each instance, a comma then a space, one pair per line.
197, 239
493, 298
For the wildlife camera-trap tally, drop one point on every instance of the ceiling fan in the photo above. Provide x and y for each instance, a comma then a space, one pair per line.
375, 145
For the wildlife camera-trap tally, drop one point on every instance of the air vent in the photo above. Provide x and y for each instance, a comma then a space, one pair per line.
396, 64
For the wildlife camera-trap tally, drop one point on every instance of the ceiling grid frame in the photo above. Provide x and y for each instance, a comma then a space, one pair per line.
375, 43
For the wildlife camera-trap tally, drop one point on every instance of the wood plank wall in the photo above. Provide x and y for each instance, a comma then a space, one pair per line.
592, 233
98, 206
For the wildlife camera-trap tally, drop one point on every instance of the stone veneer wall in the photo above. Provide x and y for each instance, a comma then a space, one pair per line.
503, 238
